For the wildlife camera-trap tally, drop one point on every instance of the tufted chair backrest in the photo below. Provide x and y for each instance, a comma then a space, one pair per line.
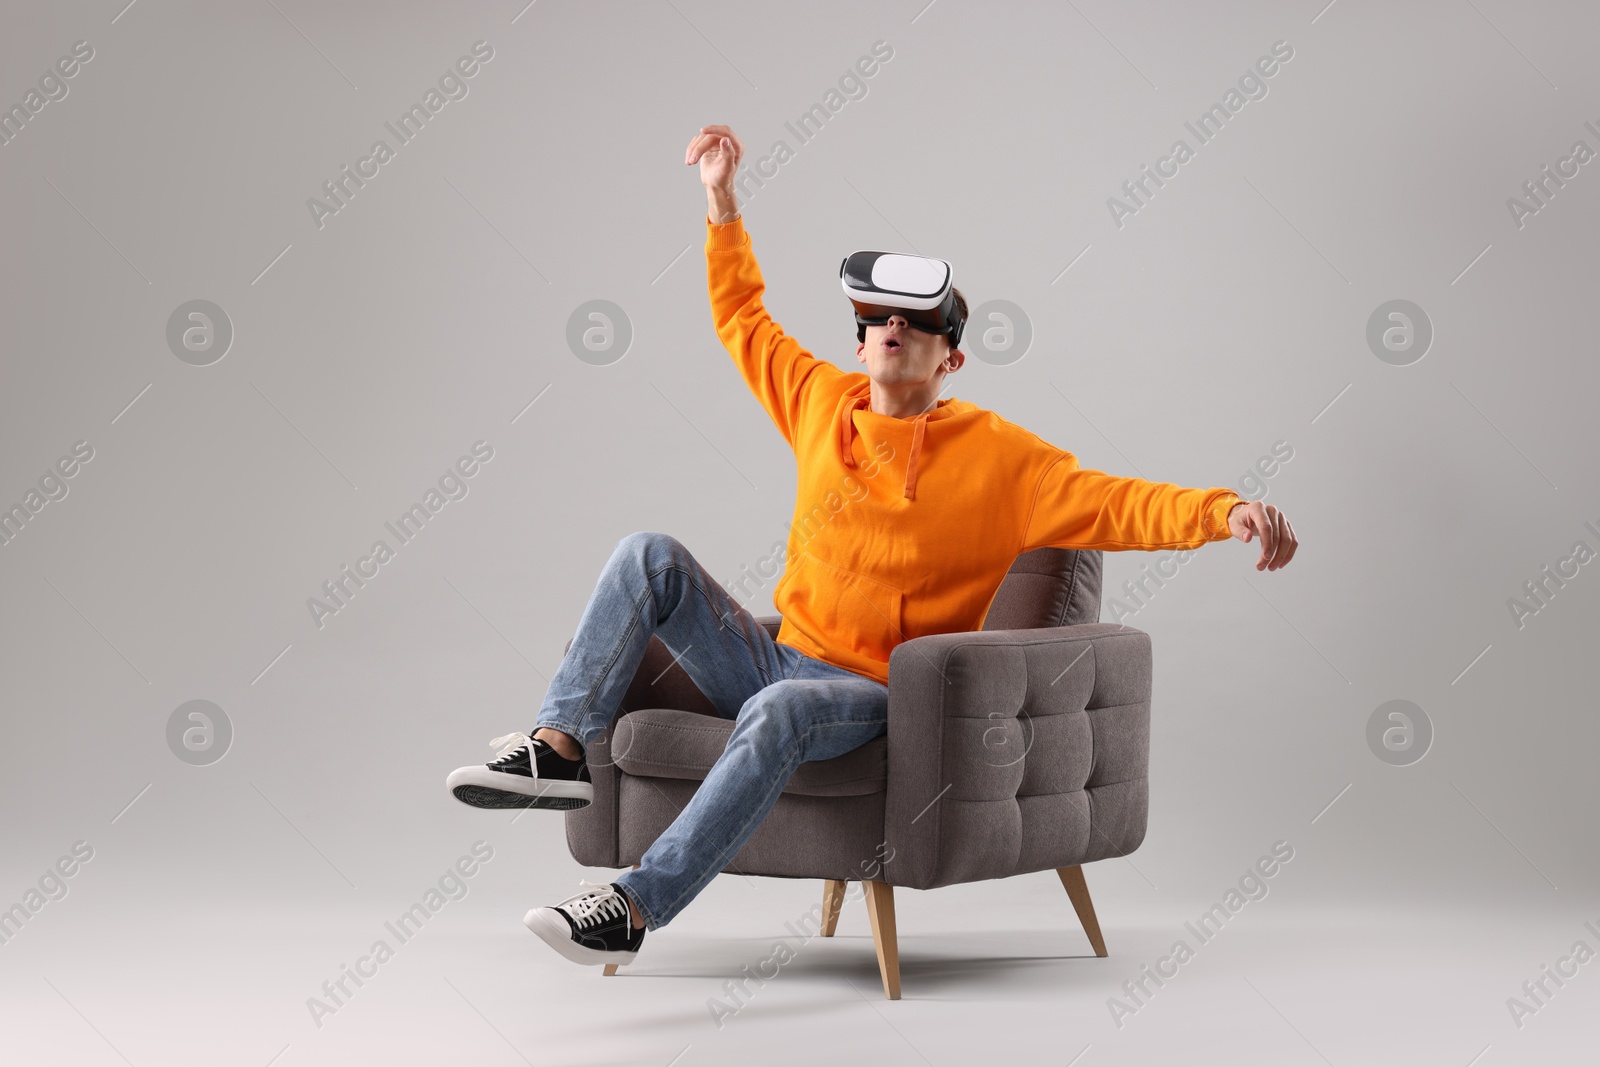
1048, 587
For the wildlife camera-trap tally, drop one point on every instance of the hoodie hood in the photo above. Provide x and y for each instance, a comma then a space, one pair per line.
859, 398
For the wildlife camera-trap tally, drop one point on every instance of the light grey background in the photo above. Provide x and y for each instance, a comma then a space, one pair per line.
1228, 314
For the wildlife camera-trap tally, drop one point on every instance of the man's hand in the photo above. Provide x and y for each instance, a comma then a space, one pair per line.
719, 151
1248, 518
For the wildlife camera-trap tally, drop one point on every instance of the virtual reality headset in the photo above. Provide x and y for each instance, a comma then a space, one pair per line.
881, 284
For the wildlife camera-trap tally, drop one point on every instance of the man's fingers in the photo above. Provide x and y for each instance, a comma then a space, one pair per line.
1290, 539
698, 144
709, 136
1275, 521
713, 134
1269, 536
726, 131
705, 142
1283, 540
1278, 542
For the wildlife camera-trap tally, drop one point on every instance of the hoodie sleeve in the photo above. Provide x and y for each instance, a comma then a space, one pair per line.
773, 364
1076, 508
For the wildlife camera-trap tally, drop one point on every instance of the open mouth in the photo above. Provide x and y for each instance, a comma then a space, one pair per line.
891, 343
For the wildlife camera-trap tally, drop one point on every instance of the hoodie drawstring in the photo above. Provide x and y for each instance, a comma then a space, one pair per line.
847, 427
847, 435
916, 450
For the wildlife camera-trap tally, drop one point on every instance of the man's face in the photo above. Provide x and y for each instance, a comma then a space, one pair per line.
894, 353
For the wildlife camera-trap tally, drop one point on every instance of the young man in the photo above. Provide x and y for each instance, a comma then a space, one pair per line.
936, 499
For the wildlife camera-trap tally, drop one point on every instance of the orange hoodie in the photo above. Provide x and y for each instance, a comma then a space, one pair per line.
906, 527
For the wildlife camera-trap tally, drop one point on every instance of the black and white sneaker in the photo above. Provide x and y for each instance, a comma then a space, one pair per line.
589, 927
527, 774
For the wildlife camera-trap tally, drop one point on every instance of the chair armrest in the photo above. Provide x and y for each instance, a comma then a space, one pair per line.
1000, 739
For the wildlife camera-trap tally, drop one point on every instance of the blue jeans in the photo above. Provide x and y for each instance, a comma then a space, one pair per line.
790, 708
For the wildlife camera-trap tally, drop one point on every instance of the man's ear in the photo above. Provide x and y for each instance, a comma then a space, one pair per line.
861, 352
954, 360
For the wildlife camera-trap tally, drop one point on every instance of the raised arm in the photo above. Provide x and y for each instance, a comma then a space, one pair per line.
777, 369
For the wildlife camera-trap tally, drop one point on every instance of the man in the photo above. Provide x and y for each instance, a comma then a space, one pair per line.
942, 497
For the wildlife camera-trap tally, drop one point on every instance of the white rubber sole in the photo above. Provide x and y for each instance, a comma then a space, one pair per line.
481, 787
554, 931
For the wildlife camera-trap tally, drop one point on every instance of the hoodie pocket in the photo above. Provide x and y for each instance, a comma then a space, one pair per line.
841, 609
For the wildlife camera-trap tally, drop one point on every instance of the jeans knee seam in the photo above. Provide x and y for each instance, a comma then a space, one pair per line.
633, 622
690, 576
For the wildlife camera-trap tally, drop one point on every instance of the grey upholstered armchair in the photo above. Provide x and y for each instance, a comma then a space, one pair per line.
1022, 747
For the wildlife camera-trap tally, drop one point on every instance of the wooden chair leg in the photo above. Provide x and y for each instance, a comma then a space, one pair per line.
611, 968
1078, 890
832, 902
880, 910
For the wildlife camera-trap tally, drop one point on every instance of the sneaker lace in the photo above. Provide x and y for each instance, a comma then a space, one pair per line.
510, 743
600, 901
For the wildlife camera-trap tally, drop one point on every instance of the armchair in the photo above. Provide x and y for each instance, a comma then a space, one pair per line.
1018, 748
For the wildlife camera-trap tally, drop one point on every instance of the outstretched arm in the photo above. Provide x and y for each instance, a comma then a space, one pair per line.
1090, 509
777, 369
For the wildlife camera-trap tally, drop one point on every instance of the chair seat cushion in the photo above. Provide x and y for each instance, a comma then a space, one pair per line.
663, 743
